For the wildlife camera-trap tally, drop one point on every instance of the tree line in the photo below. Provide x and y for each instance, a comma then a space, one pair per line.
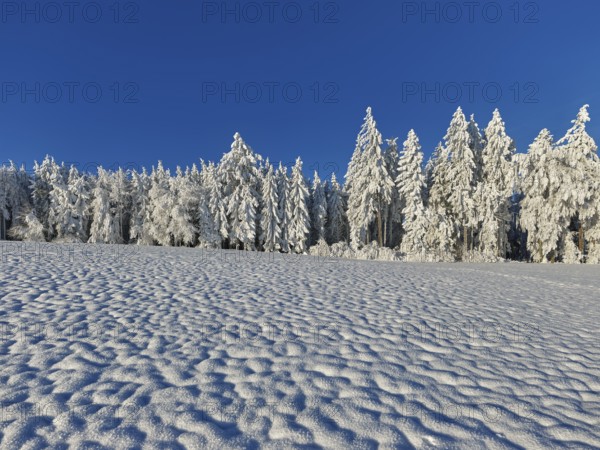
476, 199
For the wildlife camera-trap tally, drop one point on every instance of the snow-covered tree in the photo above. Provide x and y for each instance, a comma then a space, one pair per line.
216, 205
59, 219
411, 186
461, 181
477, 143
41, 187
298, 224
283, 207
239, 177
184, 194
441, 229
242, 210
162, 203
120, 201
28, 228
208, 223
579, 187
495, 189
393, 214
539, 185
76, 208
337, 224
270, 229
318, 210
14, 197
105, 229
5, 181
370, 186
139, 222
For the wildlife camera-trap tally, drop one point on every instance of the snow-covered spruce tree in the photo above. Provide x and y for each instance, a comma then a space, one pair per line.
207, 223
40, 191
353, 184
318, 210
5, 180
74, 206
539, 185
337, 224
461, 181
495, 189
593, 239
162, 203
216, 205
105, 229
369, 185
440, 239
393, 214
58, 220
411, 186
441, 229
439, 157
270, 229
14, 197
139, 222
120, 202
378, 183
298, 216
242, 210
239, 174
579, 188
477, 143
15, 207
183, 193
283, 208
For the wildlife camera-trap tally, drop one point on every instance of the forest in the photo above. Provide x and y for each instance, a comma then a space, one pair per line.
476, 199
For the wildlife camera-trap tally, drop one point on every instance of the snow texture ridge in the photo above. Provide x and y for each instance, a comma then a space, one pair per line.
149, 347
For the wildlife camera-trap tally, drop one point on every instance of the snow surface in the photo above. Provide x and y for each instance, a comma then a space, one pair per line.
147, 347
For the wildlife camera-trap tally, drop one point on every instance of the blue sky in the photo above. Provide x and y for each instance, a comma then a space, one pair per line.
129, 83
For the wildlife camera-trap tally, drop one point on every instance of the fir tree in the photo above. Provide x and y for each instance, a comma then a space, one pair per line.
298, 217
271, 231
337, 224
411, 185
318, 213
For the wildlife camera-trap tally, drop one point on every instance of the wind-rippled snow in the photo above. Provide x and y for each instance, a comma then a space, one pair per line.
145, 347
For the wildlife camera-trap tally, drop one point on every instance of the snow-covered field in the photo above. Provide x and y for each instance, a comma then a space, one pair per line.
129, 347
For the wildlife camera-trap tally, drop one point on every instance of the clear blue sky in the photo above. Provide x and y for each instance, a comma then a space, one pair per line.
173, 59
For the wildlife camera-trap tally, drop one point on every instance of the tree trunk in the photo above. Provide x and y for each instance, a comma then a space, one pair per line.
379, 228
466, 243
581, 239
472, 239
385, 233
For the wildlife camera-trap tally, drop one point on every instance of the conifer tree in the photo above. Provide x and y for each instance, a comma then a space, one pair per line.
299, 220
318, 211
270, 229
337, 224
411, 186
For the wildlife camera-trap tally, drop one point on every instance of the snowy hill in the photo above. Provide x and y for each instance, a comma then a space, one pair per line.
127, 346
